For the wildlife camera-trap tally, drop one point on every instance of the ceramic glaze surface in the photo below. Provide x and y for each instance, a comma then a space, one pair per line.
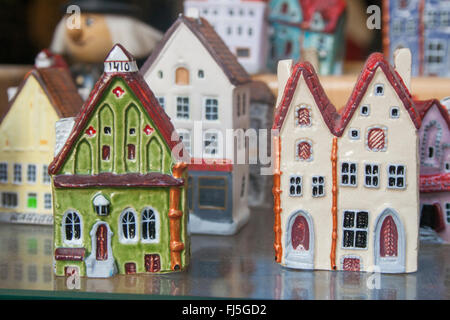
357, 191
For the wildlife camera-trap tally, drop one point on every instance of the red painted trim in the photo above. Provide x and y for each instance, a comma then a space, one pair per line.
222, 165
335, 121
435, 182
426, 105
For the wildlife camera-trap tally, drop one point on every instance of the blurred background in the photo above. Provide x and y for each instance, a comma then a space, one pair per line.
28, 25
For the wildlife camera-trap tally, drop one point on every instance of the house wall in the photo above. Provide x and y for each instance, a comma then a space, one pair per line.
442, 199
120, 199
27, 137
241, 24
402, 146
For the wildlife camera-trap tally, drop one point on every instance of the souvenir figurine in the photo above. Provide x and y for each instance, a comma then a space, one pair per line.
27, 137
241, 24
119, 191
101, 24
205, 91
262, 103
346, 183
298, 25
434, 155
423, 27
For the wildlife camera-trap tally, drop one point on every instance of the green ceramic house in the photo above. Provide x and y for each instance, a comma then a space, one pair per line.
119, 192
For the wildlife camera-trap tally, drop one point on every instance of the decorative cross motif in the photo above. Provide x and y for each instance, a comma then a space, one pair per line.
148, 130
91, 131
118, 92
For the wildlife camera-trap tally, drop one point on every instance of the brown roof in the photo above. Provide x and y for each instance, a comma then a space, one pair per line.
260, 92
212, 42
59, 87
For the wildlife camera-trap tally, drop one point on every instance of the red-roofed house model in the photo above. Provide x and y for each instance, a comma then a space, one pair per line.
206, 92
435, 167
300, 25
27, 138
346, 185
119, 195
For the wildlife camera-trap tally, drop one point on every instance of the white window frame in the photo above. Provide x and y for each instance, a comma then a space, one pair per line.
17, 173
185, 136
375, 89
396, 176
72, 242
180, 115
350, 135
349, 174
47, 200
355, 229
3, 172
210, 113
398, 112
217, 144
296, 184
157, 225
317, 185
46, 179
3, 205
361, 110
434, 52
122, 238
371, 175
32, 181
100, 202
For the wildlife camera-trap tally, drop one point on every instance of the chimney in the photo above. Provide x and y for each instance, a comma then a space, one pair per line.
193, 13
402, 64
283, 74
43, 60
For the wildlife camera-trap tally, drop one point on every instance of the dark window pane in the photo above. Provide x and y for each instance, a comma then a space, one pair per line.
362, 220
361, 239
348, 238
349, 219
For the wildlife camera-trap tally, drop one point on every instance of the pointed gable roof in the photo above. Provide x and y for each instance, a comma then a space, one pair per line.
426, 105
57, 83
338, 121
330, 10
211, 41
119, 63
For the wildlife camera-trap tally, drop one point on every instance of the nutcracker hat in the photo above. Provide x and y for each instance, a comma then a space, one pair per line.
105, 7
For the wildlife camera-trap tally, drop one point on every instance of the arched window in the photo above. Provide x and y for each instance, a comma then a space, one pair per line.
377, 139
182, 76
303, 116
304, 151
149, 225
128, 225
72, 227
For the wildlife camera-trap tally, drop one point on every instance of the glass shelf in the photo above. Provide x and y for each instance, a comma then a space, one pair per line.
241, 266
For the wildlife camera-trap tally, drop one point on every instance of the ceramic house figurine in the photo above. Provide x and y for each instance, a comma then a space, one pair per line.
119, 195
241, 24
299, 25
423, 27
102, 24
27, 137
434, 154
262, 103
204, 90
346, 182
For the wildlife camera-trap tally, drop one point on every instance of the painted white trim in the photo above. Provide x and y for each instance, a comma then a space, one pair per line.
318, 184
396, 176
35, 173
355, 229
204, 99
349, 175
157, 225
71, 243
294, 259
390, 265
372, 175
122, 239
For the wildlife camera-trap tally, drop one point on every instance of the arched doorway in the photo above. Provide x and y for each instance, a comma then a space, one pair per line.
300, 241
389, 243
100, 263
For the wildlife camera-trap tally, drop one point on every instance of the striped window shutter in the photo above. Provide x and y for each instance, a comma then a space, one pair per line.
304, 151
376, 139
303, 117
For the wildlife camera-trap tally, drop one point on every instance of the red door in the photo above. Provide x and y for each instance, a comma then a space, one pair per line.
388, 238
102, 236
300, 234
152, 263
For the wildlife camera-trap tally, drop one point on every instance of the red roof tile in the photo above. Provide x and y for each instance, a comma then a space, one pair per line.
212, 42
137, 84
337, 121
424, 106
435, 182
331, 11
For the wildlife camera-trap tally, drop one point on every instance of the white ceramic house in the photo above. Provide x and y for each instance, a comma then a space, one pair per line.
205, 92
242, 24
346, 186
